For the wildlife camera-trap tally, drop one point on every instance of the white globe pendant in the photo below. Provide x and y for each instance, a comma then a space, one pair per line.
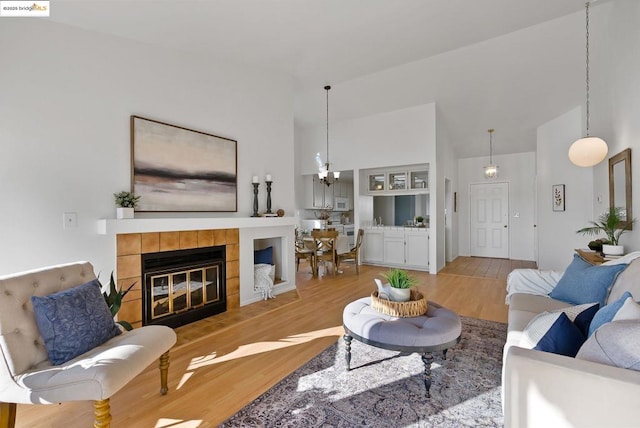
588, 151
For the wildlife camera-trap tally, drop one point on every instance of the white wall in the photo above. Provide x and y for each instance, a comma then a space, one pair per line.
519, 170
67, 95
400, 137
616, 101
445, 168
557, 237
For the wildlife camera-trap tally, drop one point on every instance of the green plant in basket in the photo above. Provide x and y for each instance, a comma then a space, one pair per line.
399, 278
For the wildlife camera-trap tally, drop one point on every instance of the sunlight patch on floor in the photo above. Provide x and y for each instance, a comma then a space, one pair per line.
262, 347
177, 423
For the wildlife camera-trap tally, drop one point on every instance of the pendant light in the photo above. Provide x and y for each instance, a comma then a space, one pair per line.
588, 151
491, 170
324, 171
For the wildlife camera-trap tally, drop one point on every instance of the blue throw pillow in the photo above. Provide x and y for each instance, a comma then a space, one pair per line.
608, 313
73, 321
263, 256
585, 283
562, 338
542, 324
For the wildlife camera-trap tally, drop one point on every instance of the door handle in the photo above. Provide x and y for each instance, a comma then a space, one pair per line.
505, 226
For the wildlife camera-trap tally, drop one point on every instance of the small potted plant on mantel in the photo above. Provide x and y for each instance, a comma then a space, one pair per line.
125, 203
610, 223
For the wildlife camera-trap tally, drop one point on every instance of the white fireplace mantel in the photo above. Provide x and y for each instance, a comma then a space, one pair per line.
143, 225
251, 230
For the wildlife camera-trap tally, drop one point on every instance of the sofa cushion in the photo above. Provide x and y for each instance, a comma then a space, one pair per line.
626, 281
616, 344
584, 283
73, 321
540, 326
625, 308
562, 337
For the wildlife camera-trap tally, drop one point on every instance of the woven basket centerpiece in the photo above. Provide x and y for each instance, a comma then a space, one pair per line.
415, 307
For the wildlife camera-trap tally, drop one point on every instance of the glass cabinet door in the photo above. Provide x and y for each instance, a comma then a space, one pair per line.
398, 181
376, 182
420, 179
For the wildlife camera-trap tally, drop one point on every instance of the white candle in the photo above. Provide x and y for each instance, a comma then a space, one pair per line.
268, 177
255, 179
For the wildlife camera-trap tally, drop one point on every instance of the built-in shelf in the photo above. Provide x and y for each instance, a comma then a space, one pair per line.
142, 225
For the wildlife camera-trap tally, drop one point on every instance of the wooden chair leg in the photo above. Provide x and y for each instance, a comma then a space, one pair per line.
164, 370
102, 412
8, 415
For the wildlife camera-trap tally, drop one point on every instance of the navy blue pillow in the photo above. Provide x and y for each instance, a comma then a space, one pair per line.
73, 321
263, 256
563, 338
585, 283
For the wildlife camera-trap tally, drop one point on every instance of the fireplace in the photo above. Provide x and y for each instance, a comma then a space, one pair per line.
183, 286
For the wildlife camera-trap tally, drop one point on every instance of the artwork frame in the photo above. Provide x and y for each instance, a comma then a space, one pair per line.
558, 197
177, 169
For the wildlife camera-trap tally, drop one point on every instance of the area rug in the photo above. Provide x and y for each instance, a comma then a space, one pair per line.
386, 388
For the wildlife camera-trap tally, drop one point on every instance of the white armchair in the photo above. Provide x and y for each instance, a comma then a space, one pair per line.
28, 377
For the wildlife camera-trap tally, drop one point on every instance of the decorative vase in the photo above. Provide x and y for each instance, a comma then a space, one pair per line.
400, 294
124, 213
613, 250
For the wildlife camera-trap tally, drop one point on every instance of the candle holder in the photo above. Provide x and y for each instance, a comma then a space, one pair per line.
269, 197
255, 199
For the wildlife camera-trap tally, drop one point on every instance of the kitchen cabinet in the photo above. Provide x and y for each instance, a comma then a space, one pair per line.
372, 245
390, 182
397, 247
393, 246
417, 248
316, 194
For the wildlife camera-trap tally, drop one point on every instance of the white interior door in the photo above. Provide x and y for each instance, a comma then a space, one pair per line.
489, 203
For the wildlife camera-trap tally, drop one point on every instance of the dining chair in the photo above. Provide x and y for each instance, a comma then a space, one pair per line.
353, 253
324, 250
304, 253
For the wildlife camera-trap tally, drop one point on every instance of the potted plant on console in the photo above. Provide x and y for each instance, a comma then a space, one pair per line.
125, 203
610, 223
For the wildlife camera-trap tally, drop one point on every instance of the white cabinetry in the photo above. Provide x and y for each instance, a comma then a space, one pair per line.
396, 247
372, 245
316, 194
417, 248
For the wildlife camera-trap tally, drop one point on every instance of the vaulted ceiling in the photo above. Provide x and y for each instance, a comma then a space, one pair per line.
504, 64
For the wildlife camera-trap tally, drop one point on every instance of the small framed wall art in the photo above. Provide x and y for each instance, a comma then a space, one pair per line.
179, 169
558, 197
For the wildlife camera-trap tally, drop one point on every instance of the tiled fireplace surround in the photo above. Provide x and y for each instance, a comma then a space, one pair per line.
130, 247
134, 237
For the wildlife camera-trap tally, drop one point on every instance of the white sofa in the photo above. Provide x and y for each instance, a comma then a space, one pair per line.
542, 389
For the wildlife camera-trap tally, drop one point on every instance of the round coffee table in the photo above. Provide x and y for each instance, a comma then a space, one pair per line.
437, 330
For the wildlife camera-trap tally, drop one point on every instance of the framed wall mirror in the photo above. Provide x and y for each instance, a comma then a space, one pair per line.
620, 184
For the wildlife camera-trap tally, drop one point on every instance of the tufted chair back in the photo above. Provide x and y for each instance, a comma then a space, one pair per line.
21, 345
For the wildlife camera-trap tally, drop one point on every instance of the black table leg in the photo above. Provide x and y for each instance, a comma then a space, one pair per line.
347, 347
444, 354
427, 359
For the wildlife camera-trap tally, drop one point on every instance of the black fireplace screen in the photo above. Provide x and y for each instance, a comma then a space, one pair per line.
183, 286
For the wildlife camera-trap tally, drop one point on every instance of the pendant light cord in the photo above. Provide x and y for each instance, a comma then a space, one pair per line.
327, 89
587, 62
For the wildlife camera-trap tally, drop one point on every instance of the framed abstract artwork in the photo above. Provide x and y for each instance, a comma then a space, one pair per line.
179, 169
558, 197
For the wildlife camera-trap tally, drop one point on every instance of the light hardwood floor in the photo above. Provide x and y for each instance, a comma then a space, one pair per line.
221, 364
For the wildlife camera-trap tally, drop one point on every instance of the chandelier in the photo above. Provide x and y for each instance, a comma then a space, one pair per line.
588, 151
491, 170
324, 171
